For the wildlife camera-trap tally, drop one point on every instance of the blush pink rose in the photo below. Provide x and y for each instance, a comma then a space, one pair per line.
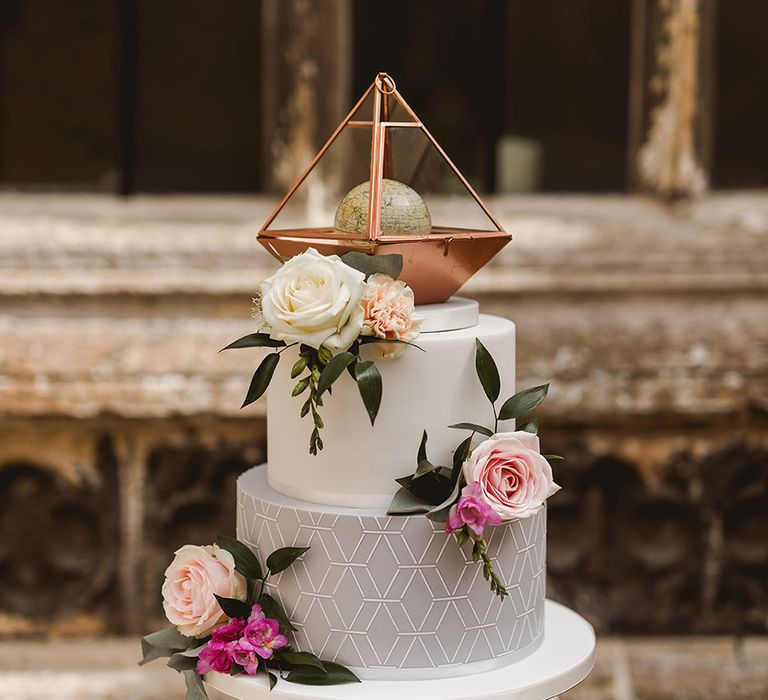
515, 479
192, 579
389, 309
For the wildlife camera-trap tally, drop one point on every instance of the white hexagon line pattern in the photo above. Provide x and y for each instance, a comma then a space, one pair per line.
395, 592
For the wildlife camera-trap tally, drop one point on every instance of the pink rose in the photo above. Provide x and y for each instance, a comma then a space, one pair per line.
389, 310
471, 511
192, 579
216, 656
515, 479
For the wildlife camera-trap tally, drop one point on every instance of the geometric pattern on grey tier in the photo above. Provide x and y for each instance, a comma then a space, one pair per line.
393, 596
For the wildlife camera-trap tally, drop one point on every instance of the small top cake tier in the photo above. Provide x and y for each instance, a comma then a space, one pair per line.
425, 388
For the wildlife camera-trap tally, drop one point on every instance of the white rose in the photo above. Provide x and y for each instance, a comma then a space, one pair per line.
314, 299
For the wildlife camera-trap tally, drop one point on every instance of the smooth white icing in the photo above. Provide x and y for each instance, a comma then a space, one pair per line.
422, 390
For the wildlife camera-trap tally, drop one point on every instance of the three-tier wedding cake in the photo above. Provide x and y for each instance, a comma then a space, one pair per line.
397, 530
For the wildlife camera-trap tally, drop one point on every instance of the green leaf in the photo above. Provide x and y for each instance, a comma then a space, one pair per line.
422, 453
282, 558
195, 689
300, 387
487, 372
334, 674
234, 608
405, 503
369, 384
324, 354
181, 662
391, 265
433, 487
523, 402
425, 466
261, 378
272, 679
245, 560
461, 453
302, 658
255, 340
474, 427
298, 367
274, 610
439, 513
332, 371
370, 339
163, 643
553, 457
530, 426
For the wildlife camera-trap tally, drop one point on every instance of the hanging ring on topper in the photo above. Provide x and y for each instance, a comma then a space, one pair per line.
385, 84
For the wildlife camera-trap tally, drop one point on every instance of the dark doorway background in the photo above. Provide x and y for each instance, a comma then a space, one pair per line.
164, 96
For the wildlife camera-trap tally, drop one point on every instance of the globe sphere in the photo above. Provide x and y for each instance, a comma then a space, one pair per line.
403, 211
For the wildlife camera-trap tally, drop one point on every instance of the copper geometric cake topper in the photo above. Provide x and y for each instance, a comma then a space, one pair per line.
377, 186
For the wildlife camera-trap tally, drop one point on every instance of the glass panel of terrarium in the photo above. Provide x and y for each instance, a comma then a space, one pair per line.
416, 172
345, 164
364, 112
396, 112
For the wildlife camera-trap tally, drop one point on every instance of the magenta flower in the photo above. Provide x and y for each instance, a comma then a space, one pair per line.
243, 655
471, 511
217, 656
262, 636
230, 632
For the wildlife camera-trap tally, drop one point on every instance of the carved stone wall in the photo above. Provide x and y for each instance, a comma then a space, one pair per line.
121, 437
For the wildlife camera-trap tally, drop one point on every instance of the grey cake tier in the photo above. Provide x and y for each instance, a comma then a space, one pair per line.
393, 596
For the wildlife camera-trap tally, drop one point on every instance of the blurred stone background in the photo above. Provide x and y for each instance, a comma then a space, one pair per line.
142, 144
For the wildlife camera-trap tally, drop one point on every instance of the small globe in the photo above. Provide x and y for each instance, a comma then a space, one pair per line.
403, 211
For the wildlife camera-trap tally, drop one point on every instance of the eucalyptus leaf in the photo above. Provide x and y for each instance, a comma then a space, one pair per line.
370, 387
391, 265
334, 674
302, 658
261, 378
274, 610
487, 371
245, 560
195, 689
234, 608
180, 662
523, 402
332, 371
255, 340
530, 426
406, 503
474, 427
282, 558
163, 643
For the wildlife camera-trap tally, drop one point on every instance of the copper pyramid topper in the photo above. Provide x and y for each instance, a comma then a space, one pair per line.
382, 184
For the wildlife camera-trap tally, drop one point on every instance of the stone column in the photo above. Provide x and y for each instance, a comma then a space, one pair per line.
670, 97
306, 82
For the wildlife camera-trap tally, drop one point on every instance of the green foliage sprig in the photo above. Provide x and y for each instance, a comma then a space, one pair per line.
320, 367
295, 666
433, 489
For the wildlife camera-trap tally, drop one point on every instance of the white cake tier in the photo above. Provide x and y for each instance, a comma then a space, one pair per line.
427, 390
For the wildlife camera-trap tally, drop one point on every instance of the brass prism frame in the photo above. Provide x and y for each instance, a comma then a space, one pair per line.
435, 265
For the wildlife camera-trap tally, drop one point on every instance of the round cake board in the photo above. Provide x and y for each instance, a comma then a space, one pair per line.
564, 659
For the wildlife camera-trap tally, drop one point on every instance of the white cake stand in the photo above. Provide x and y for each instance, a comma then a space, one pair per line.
564, 659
